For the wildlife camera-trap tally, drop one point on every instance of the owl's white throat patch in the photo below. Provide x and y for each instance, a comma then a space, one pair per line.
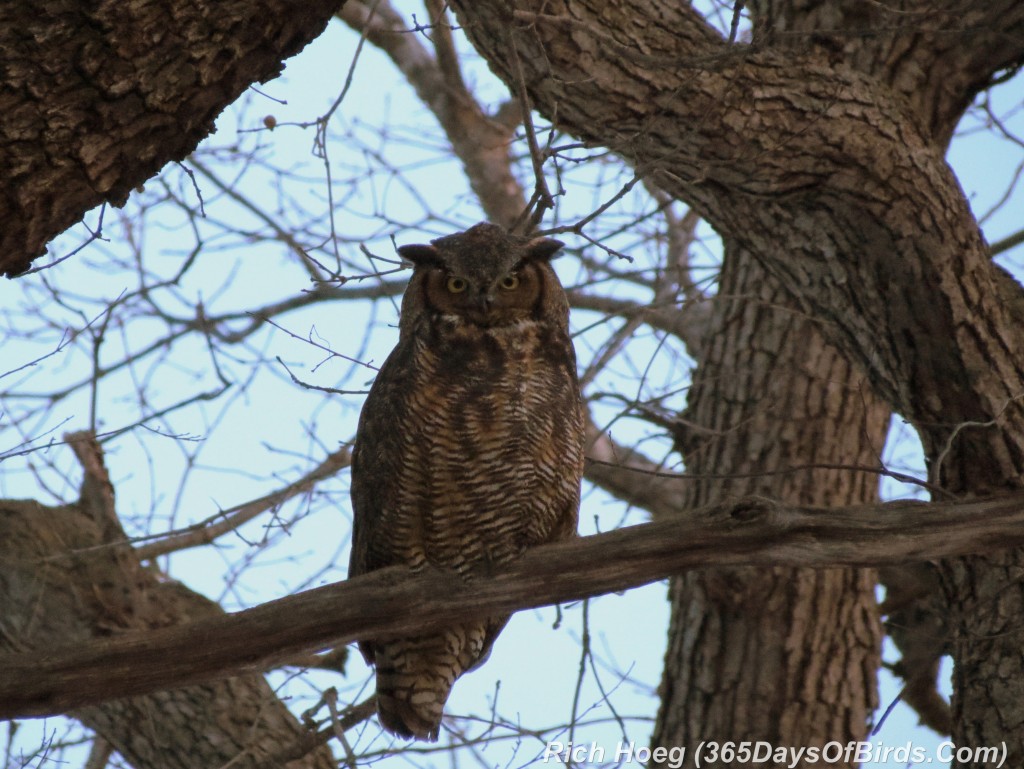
514, 328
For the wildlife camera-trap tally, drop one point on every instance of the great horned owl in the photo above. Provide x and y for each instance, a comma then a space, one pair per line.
469, 448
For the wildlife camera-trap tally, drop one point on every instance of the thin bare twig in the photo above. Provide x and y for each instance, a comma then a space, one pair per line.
228, 520
542, 196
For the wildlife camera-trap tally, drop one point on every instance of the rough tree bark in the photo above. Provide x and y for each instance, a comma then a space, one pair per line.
97, 97
819, 150
783, 655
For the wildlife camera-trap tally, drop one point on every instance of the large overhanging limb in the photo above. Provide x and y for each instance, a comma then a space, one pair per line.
99, 96
394, 602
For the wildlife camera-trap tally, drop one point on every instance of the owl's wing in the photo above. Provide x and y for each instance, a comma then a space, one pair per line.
377, 466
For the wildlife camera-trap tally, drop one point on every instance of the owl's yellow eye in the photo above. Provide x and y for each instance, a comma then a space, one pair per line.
510, 282
456, 285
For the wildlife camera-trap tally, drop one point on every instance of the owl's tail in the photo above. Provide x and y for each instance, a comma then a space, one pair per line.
415, 677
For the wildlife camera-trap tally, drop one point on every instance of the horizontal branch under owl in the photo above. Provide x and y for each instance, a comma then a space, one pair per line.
750, 531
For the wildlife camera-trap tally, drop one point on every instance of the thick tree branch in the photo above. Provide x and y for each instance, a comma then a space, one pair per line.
126, 88
936, 55
392, 602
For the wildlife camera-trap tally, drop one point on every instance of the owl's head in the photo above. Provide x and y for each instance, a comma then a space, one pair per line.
485, 277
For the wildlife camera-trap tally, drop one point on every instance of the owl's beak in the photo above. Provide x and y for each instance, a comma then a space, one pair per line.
484, 300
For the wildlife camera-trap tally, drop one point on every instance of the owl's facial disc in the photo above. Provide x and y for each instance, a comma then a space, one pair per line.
500, 301
485, 295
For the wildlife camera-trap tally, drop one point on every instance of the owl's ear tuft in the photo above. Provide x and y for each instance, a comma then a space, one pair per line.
420, 255
542, 249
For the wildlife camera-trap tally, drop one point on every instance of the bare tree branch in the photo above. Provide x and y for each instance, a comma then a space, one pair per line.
70, 573
686, 323
391, 602
480, 142
1010, 241
626, 473
206, 531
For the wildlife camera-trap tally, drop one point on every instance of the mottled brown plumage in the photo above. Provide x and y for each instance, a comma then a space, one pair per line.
470, 445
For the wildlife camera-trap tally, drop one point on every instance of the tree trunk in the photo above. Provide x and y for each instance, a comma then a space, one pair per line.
782, 655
